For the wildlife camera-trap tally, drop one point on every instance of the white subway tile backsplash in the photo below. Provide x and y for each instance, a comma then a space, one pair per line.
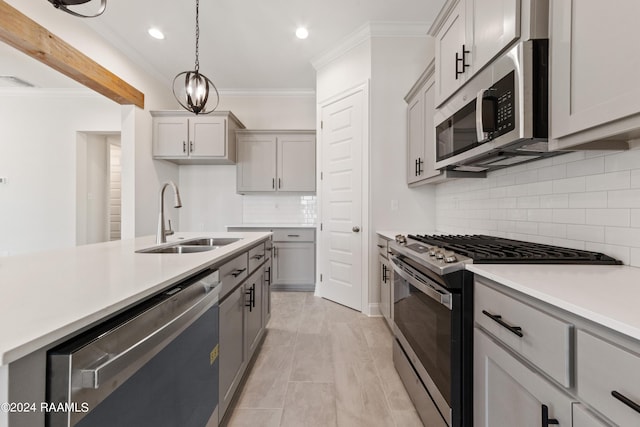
587, 200
612, 217
624, 199
570, 185
569, 216
588, 233
609, 181
279, 209
623, 236
586, 167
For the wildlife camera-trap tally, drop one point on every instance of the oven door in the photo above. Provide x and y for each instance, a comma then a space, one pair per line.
423, 325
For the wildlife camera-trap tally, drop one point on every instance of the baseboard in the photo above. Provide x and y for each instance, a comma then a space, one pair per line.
374, 310
294, 288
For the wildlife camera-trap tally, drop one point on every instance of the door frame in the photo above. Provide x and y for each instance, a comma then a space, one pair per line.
367, 308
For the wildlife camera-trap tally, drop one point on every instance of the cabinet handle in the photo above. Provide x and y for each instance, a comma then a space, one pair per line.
258, 256
251, 293
279, 183
498, 319
191, 146
384, 273
184, 146
275, 252
546, 421
462, 59
268, 274
236, 273
293, 235
624, 399
416, 174
380, 246
273, 183
420, 162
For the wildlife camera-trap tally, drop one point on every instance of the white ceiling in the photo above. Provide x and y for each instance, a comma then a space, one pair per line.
246, 45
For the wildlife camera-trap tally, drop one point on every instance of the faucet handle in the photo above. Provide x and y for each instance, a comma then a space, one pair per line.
169, 231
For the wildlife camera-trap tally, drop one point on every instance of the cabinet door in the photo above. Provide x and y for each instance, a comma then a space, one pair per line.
509, 393
293, 263
253, 311
449, 41
495, 25
385, 289
428, 164
207, 137
582, 417
296, 163
256, 169
170, 137
232, 355
266, 294
592, 72
415, 135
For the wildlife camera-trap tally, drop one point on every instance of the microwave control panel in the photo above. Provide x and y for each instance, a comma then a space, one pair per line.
501, 96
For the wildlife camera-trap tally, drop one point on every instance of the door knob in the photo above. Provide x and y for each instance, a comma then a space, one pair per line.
356, 229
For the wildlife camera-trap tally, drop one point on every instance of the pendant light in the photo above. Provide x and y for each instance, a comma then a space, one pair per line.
191, 88
62, 5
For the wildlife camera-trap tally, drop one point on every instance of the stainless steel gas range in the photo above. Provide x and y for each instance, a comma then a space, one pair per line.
433, 314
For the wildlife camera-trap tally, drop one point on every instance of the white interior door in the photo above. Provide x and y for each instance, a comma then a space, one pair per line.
341, 257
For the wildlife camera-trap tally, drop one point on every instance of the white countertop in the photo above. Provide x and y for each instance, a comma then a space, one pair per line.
605, 294
271, 225
49, 295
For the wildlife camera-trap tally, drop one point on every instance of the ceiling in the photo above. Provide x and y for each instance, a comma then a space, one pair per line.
245, 45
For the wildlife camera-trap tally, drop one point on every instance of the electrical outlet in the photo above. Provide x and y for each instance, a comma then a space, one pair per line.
394, 205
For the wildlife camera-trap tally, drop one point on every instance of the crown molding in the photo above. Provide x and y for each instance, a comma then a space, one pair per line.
267, 93
368, 31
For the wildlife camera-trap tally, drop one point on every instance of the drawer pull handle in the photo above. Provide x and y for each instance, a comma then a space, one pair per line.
236, 273
381, 246
293, 235
498, 319
546, 421
624, 399
258, 256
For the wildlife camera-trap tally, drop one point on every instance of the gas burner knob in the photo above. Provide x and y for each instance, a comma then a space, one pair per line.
433, 251
450, 258
439, 255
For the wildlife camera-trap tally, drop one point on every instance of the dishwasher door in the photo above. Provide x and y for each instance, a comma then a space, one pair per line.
154, 365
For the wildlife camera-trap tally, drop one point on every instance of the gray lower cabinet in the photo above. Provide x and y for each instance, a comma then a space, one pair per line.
294, 265
509, 393
232, 345
253, 288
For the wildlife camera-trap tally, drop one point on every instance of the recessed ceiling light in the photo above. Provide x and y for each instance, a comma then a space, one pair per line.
302, 33
156, 33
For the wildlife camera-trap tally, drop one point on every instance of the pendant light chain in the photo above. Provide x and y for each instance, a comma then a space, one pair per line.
197, 35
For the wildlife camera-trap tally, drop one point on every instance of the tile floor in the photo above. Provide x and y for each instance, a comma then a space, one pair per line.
322, 364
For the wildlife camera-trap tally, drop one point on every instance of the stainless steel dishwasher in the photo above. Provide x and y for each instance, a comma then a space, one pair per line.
155, 364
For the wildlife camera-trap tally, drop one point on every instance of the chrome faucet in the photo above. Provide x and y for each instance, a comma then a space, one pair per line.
161, 236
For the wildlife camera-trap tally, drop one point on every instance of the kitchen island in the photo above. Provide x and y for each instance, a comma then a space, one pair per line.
50, 296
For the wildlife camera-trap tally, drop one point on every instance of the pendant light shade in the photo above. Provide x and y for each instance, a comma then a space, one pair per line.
192, 89
63, 5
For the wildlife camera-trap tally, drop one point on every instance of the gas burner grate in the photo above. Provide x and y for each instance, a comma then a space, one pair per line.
488, 249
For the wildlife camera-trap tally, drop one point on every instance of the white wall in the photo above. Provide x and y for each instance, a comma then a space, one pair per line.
38, 156
142, 175
209, 199
585, 200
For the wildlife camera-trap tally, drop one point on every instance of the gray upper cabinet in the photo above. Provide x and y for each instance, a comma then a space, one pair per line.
468, 34
276, 161
421, 144
184, 138
595, 96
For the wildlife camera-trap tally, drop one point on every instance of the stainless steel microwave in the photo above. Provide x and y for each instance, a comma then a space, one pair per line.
501, 116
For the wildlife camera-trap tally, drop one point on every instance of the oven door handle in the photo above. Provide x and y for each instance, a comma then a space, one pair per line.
443, 298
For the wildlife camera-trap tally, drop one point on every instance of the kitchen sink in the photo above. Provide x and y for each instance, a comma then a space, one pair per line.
200, 244
176, 249
210, 241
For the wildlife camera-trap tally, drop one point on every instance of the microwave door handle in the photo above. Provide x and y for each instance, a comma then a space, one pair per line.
479, 127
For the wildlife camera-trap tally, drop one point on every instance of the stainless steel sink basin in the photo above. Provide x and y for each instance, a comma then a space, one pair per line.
210, 241
199, 244
176, 249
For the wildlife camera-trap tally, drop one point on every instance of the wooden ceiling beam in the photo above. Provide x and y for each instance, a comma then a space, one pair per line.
26, 35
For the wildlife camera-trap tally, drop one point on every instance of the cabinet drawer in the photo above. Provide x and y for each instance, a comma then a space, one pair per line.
383, 247
293, 235
256, 257
605, 369
545, 340
232, 273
